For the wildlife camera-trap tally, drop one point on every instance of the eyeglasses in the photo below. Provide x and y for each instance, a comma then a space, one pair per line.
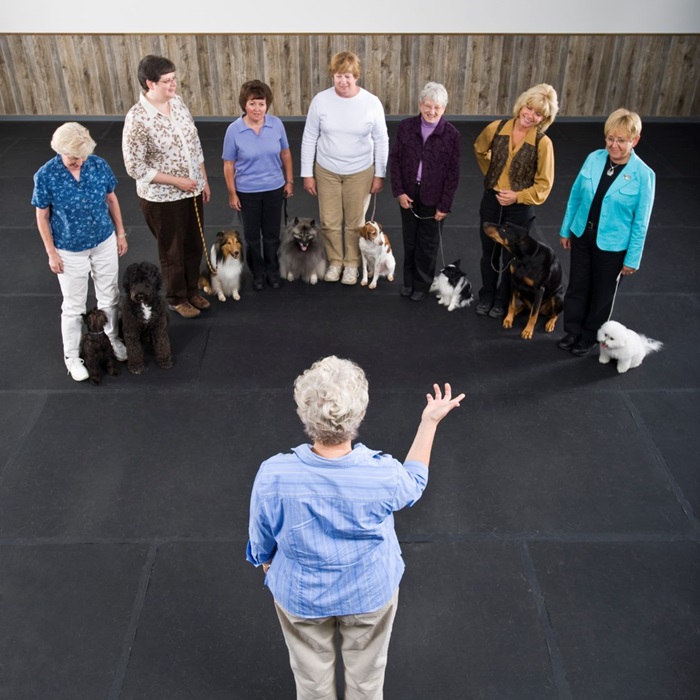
168, 81
617, 142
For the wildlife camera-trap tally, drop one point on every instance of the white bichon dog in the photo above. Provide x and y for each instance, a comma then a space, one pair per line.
618, 342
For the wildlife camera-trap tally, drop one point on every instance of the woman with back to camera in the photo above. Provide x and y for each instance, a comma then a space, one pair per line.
163, 153
258, 174
322, 528
424, 164
517, 160
80, 223
344, 153
604, 227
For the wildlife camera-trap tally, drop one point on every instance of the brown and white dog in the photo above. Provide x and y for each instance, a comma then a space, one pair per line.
377, 258
227, 259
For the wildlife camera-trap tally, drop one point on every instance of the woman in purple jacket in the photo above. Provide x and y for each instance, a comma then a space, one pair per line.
424, 166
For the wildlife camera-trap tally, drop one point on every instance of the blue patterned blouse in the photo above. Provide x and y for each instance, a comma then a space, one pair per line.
80, 216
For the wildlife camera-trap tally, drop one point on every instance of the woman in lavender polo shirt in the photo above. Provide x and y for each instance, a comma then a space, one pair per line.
424, 166
258, 173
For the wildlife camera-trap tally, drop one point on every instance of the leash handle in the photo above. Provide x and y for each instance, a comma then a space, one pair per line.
201, 233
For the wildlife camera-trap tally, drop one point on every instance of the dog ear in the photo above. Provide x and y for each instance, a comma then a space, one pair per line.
296, 220
312, 223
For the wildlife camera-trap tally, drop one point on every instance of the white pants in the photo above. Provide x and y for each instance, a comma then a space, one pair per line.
102, 264
364, 644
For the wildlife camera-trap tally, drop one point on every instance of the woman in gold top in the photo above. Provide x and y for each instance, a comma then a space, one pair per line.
517, 161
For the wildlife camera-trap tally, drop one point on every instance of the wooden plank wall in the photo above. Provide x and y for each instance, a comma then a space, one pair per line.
95, 75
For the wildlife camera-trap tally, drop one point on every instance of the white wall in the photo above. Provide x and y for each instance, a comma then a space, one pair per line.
366, 16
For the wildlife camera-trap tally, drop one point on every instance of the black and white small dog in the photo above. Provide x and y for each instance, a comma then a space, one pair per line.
452, 287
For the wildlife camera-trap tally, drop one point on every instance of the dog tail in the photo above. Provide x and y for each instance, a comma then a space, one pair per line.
651, 345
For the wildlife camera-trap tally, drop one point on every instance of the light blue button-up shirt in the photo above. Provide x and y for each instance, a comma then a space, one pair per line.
328, 526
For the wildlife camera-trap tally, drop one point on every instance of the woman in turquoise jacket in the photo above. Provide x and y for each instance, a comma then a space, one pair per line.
604, 227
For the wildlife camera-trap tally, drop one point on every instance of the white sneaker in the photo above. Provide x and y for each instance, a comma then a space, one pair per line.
119, 349
350, 275
332, 274
76, 369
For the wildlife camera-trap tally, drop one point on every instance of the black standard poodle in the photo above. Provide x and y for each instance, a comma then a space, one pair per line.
144, 316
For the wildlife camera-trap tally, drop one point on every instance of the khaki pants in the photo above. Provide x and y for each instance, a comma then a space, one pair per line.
342, 198
364, 644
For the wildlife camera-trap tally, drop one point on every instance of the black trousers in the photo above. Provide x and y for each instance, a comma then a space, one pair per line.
421, 239
495, 275
592, 285
262, 216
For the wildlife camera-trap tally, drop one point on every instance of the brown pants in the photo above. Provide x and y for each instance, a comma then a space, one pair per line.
176, 229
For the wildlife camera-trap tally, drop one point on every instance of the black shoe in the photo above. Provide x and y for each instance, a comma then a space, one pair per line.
418, 296
582, 348
568, 341
497, 311
274, 282
258, 285
483, 308
406, 291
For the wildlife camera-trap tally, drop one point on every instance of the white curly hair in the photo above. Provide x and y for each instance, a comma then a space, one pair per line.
331, 398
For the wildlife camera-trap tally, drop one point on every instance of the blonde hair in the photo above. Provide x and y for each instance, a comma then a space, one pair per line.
331, 398
627, 121
72, 139
543, 99
345, 62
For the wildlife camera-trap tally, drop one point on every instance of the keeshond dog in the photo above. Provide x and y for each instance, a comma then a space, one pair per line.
301, 252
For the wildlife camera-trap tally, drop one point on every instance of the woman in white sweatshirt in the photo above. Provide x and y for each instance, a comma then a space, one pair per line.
344, 154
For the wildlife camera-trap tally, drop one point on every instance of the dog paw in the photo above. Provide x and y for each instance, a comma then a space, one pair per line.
136, 369
390, 278
363, 283
373, 285
603, 359
113, 372
167, 363
526, 334
94, 380
221, 296
507, 322
290, 277
313, 279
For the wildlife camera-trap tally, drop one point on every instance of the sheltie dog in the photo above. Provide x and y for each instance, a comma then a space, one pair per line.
227, 259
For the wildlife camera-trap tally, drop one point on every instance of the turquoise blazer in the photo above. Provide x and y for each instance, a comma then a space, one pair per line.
626, 208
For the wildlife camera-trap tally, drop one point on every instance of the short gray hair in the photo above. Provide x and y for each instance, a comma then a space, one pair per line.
72, 139
331, 398
435, 92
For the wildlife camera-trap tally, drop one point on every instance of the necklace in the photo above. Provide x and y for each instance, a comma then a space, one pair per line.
611, 170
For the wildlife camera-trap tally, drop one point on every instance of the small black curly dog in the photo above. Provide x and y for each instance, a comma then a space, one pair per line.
144, 316
95, 348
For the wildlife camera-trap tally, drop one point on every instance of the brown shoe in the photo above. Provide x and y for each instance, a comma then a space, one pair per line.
186, 310
199, 302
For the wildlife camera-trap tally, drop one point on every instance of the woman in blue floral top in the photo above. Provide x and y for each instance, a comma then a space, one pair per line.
80, 223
